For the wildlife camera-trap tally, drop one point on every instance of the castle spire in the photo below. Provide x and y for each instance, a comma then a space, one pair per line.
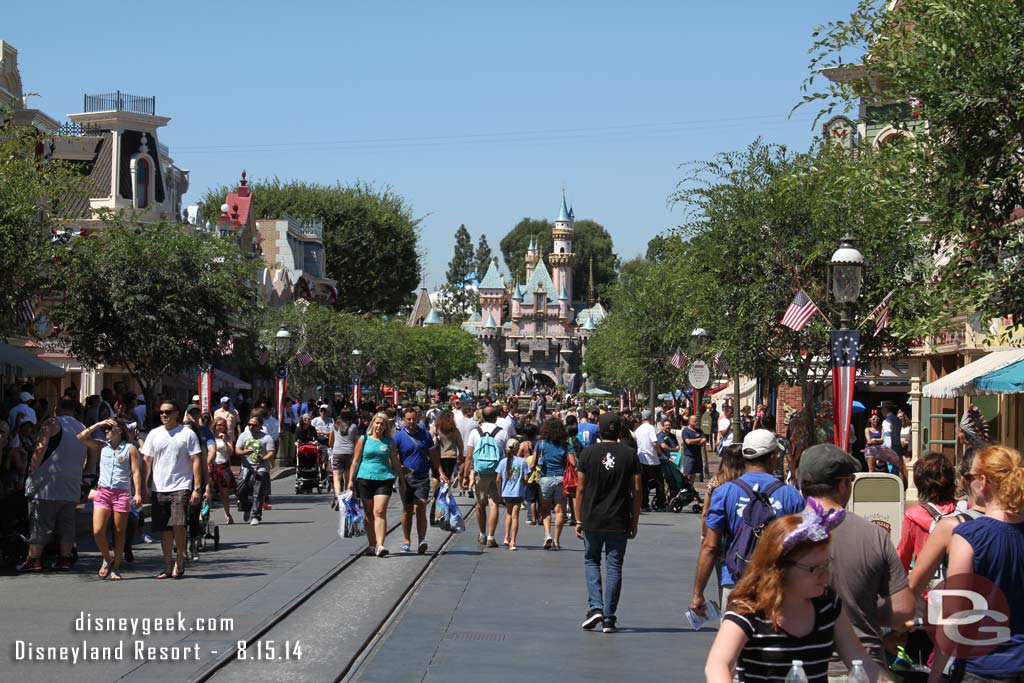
563, 215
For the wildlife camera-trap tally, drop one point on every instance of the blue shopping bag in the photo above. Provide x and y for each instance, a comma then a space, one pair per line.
453, 515
351, 520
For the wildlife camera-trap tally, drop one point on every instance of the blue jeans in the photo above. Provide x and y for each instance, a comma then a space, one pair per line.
614, 545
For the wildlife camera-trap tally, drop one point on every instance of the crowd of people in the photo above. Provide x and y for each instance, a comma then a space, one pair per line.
800, 577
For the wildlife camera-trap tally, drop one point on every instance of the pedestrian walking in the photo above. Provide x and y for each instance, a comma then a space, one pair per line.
648, 449
484, 452
783, 608
450, 447
512, 477
221, 476
54, 484
867, 573
342, 444
375, 468
608, 501
694, 443
256, 448
119, 469
230, 415
731, 526
418, 456
172, 456
992, 547
554, 456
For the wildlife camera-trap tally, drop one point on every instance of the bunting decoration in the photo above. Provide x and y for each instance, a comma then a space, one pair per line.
281, 389
844, 346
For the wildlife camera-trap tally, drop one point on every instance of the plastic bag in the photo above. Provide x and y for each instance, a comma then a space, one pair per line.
453, 515
351, 520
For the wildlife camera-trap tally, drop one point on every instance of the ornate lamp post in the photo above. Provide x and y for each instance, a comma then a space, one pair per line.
356, 380
283, 351
488, 376
846, 274
585, 376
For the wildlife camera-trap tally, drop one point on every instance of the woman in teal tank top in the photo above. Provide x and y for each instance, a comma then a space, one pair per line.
375, 467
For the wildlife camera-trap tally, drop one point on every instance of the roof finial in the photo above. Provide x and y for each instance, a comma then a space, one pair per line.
244, 181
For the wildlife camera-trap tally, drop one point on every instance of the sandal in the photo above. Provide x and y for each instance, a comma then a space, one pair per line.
229, 520
178, 573
164, 575
104, 571
114, 576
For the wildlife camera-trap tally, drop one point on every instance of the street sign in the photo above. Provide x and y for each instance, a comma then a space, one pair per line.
699, 374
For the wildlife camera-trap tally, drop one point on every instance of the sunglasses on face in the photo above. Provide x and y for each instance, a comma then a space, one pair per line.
167, 412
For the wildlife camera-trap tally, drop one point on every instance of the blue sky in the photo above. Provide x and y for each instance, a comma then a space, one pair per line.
475, 112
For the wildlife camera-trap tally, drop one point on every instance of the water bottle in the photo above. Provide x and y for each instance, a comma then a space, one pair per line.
857, 673
796, 672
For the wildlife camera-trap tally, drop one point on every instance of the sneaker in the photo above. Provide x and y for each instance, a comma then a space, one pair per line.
594, 617
146, 538
513, 546
267, 506
382, 552
481, 539
548, 542
491, 543
255, 521
30, 565
422, 548
62, 564
608, 625
405, 547
470, 494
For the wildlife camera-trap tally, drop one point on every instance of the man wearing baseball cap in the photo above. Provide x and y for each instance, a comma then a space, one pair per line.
230, 416
22, 412
760, 448
866, 571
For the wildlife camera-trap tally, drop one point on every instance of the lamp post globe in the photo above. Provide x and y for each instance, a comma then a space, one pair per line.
847, 267
283, 343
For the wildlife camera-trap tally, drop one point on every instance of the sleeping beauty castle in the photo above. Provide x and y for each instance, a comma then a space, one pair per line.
533, 334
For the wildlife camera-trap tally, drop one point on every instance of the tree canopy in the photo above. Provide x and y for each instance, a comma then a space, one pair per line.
955, 65
462, 271
590, 239
370, 236
30, 187
150, 297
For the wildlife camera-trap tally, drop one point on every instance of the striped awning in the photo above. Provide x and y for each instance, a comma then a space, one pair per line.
16, 362
962, 382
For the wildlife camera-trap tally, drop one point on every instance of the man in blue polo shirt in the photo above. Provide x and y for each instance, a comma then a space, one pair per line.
588, 428
418, 455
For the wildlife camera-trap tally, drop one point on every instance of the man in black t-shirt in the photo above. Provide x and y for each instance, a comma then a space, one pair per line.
607, 503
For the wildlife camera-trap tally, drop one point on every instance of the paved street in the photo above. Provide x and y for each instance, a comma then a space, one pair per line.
473, 615
495, 615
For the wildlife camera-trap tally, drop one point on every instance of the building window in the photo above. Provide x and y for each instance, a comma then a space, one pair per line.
143, 173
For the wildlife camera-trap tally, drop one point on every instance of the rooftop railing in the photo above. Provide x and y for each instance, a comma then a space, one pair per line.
119, 101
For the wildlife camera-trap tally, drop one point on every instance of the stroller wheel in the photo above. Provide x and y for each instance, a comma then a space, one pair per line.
676, 505
697, 507
216, 538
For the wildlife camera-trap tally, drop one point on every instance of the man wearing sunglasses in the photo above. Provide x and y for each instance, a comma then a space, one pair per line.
866, 570
171, 453
256, 448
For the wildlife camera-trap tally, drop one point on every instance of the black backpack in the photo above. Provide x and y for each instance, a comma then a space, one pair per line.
757, 515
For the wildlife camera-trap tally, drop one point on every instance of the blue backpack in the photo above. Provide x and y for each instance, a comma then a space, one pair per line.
757, 515
487, 455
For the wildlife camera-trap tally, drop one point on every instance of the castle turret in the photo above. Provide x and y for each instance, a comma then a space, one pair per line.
531, 258
562, 257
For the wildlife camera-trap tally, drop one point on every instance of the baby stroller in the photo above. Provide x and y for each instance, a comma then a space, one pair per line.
307, 469
208, 529
680, 491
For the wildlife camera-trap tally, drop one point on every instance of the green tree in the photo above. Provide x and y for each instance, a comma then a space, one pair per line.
590, 239
438, 354
151, 298
370, 236
30, 188
483, 257
461, 273
956, 65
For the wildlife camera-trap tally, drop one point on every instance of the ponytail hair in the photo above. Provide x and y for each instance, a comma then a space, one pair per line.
510, 452
1002, 466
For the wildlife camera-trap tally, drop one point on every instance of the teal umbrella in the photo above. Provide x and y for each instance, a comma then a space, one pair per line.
1008, 380
597, 392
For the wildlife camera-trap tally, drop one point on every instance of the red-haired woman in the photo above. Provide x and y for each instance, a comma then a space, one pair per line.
783, 608
992, 547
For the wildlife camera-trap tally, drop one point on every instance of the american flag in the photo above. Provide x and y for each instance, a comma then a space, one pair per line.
264, 357
883, 319
844, 347
678, 359
24, 312
719, 363
799, 312
304, 358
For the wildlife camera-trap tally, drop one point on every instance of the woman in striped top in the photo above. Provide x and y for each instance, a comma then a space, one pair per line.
783, 609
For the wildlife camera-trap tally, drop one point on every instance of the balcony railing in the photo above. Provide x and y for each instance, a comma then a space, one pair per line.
119, 101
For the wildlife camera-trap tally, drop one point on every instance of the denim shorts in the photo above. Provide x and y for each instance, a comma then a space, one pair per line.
417, 486
551, 488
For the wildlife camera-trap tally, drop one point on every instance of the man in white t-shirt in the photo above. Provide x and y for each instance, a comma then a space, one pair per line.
256, 448
487, 493
647, 449
725, 428
22, 412
171, 453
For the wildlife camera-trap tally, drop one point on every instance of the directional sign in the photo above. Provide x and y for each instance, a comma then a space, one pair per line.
699, 374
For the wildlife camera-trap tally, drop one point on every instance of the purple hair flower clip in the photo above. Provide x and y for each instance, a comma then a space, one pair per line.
816, 525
